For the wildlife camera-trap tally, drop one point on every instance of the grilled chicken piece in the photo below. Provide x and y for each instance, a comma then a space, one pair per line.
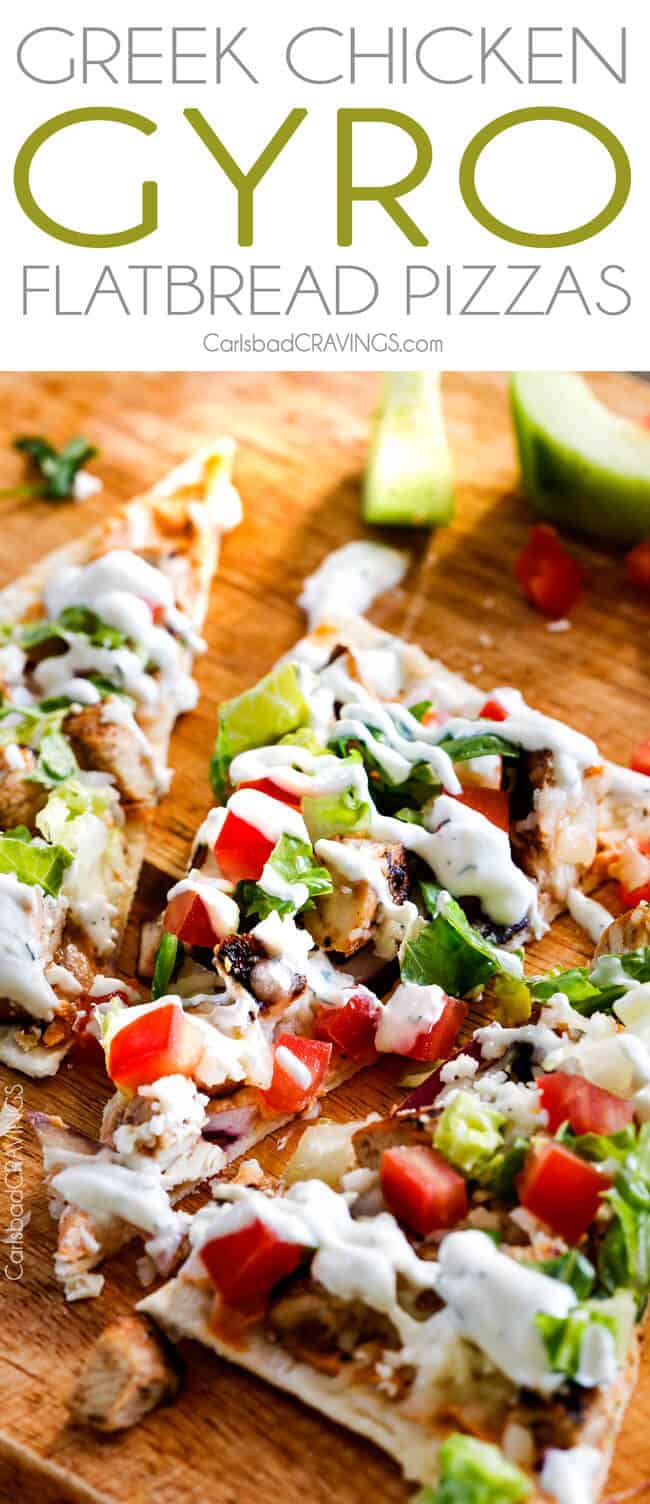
129, 1371
115, 747
20, 800
628, 932
344, 920
270, 979
311, 1321
370, 1141
555, 842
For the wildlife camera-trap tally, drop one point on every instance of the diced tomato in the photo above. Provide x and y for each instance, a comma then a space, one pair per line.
160, 1042
561, 1189
352, 1027
267, 786
550, 577
630, 898
493, 803
637, 564
640, 759
585, 1107
289, 1092
187, 917
241, 850
493, 711
246, 1264
436, 1041
420, 1187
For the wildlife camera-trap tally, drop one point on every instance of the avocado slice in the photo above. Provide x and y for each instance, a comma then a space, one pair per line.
582, 466
409, 477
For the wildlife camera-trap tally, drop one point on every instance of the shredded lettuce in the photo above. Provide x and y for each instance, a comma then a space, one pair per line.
564, 1335
468, 1133
475, 1472
624, 1256
270, 710
56, 760
388, 794
74, 620
482, 744
33, 863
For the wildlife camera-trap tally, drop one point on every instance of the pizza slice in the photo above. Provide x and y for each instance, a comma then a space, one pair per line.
358, 884
462, 1282
96, 650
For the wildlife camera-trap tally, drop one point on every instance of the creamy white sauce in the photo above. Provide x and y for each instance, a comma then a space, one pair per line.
471, 858
270, 816
468, 854
410, 1011
107, 1189
398, 754
359, 862
495, 1300
293, 1067
570, 1477
13, 757
634, 1010
26, 918
59, 976
222, 909
350, 579
120, 587
598, 1364
572, 752
591, 916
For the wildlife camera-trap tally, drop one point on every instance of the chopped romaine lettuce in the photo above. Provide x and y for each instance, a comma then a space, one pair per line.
482, 744
595, 989
572, 1268
304, 737
564, 1335
294, 862
449, 950
165, 964
468, 1133
56, 760
257, 717
79, 620
500, 1173
388, 793
38, 865
624, 1257
475, 1472
600, 1146
329, 815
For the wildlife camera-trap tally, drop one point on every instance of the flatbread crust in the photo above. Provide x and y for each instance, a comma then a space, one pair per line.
188, 511
183, 1310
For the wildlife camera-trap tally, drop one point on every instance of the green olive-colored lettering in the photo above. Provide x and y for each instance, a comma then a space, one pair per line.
149, 220
587, 123
245, 183
389, 194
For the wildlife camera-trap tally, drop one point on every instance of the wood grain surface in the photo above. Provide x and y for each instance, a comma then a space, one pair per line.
302, 441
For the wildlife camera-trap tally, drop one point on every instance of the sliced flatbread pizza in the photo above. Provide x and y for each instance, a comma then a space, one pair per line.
96, 650
463, 1282
362, 878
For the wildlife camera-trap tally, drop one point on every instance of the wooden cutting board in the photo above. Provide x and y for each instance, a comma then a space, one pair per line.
302, 441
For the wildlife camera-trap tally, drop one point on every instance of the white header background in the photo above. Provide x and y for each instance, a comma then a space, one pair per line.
539, 177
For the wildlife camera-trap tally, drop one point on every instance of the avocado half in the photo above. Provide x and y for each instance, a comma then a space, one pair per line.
582, 466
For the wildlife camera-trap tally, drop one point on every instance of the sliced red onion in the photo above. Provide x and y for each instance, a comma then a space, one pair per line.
225, 1128
425, 1094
